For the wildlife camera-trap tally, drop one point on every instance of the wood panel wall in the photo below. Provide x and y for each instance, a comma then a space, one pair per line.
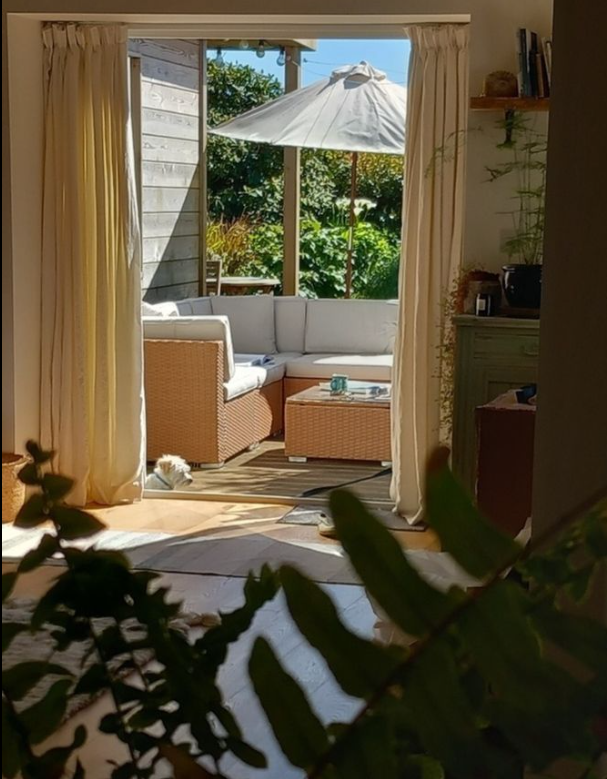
169, 167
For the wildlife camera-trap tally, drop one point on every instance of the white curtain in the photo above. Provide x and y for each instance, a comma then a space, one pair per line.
433, 215
92, 384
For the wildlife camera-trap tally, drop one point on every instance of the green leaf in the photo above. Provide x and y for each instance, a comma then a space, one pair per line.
13, 757
30, 475
246, 753
368, 750
44, 717
8, 582
478, 546
257, 591
74, 523
33, 512
358, 665
441, 714
38, 455
378, 558
56, 486
498, 632
33, 559
422, 767
298, 730
581, 637
19, 679
9, 631
92, 681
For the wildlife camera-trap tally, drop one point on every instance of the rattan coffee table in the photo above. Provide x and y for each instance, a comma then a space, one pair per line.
342, 427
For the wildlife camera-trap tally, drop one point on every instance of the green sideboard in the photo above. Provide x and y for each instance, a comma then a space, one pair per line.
492, 355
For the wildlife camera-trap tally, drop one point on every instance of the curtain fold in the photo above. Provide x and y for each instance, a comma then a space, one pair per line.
91, 362
433, 215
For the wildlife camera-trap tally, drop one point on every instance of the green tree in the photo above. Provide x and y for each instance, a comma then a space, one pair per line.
243, 178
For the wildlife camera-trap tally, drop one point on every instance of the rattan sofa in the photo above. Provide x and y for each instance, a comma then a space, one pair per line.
205, 400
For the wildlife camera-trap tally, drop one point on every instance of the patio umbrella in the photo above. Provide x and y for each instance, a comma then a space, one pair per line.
357, 109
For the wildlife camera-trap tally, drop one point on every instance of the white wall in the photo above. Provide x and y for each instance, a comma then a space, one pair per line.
26, 103
492, 46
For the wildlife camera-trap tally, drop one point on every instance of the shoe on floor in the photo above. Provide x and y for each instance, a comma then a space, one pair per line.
326, 528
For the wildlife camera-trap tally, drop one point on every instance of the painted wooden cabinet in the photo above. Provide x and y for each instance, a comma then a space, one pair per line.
492, 355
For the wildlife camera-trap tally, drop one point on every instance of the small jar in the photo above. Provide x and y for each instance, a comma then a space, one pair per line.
484, 304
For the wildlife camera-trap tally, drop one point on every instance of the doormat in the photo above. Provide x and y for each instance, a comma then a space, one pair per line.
304, 515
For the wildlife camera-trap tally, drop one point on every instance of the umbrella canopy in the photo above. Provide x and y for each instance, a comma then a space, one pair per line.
357, 109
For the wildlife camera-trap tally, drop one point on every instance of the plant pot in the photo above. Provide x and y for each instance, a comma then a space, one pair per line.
13, 491
523, 285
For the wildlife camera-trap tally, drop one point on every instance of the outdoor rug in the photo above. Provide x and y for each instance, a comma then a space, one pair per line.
304, 515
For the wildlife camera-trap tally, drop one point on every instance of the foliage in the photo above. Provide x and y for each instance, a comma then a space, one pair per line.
151, 706
246, 179
323, 258
527, 164
243, 178
230, 241
473, 693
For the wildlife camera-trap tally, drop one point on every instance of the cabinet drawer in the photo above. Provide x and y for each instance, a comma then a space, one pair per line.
495, 344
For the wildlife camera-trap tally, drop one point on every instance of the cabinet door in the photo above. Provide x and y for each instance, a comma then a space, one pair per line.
486, 382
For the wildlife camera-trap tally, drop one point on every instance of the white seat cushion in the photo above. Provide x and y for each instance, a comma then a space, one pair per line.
271, 372
194, 328
169, 308
244, 380
251, 321
362, 367
290, 320
351, 326
194, 307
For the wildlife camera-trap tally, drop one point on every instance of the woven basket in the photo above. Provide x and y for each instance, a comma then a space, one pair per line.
13, 491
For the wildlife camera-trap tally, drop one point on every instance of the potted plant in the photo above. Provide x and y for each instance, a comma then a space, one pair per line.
522, 276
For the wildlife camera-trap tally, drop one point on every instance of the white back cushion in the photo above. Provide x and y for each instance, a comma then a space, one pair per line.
194, 307
194, 328
351, 326
290, 320
251, 321
169, 308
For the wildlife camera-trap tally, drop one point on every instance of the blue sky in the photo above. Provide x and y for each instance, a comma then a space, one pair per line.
390, 56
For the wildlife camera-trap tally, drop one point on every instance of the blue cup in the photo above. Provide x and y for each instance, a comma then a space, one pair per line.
338, 384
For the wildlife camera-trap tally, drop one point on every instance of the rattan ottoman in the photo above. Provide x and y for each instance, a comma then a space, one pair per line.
350, 427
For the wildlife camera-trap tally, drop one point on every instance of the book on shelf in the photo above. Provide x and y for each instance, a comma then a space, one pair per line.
534, 60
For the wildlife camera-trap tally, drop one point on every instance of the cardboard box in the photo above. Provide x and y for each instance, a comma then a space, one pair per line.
505, 432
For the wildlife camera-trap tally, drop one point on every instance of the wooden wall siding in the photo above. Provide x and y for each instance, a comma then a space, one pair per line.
169, 161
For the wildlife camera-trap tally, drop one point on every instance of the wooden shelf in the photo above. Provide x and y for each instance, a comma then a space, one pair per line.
510, 103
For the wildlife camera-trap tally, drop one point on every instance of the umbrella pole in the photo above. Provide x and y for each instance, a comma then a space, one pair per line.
352, 222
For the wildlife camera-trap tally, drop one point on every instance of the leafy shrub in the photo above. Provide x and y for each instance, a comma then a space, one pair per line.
230, 241
323, 258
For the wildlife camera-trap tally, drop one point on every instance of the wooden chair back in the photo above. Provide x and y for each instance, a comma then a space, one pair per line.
214, 276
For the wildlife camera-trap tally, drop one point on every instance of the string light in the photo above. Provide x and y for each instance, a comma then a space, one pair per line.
261, 49
282, 58
244, 45
219, 57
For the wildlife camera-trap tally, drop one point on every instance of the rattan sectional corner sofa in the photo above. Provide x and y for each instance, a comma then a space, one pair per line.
204, 399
